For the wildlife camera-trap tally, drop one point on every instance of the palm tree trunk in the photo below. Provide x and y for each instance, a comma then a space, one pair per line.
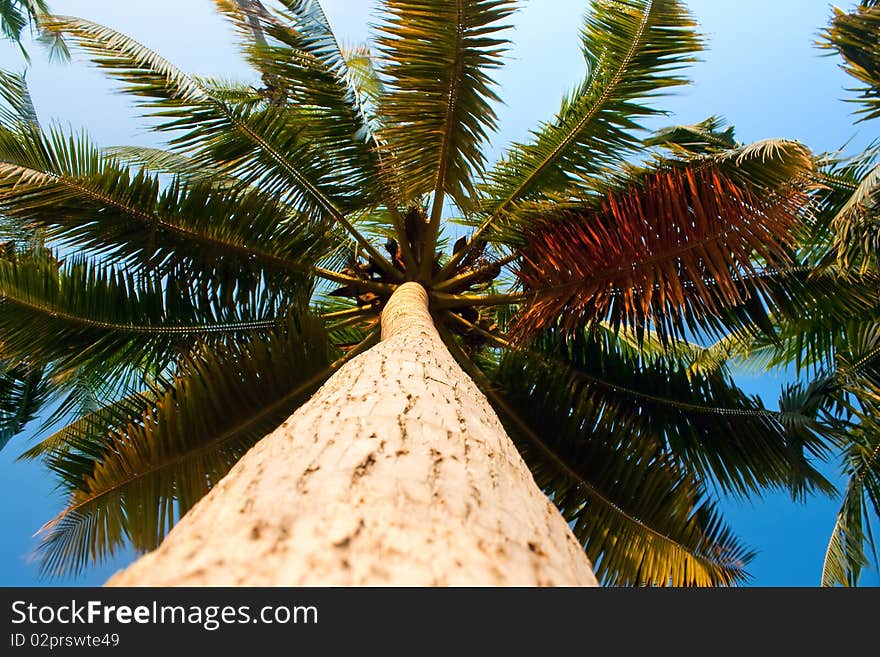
396, 472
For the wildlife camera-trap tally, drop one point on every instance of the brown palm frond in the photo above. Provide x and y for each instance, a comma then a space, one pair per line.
666, 255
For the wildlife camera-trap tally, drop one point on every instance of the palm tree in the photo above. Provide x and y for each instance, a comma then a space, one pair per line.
270, 332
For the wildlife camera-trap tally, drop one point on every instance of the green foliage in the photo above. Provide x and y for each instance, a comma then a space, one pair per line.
23, 391
16, 15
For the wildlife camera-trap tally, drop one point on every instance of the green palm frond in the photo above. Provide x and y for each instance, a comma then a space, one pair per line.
15, 15
130, 479
816, 309
364, 77
261, 144
848, 207
700, 419
650, 346
846, 554
641, 518
858, 362
435, 61
92, 418
854, 37
304, 70
768, 164
16, 104
159, 161
634, 50
78, 194
24, 390
708, 136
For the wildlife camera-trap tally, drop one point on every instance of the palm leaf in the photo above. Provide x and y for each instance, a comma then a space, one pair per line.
854, 36
15, 15
634, 50
708, 136
436, 58
811, 326
699, 418
17, 106
157, 160
642, 520
848, 207
88, 415
304, 69
64, 184
768, 164
24, 390
86, 317
259, 143
845, 557
677, 253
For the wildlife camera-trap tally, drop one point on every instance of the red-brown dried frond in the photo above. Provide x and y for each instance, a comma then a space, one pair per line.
678, 253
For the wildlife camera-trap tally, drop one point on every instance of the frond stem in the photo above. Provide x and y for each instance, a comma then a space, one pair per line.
442, 300
467, 277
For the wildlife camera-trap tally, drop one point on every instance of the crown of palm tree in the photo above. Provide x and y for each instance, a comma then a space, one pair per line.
179, 304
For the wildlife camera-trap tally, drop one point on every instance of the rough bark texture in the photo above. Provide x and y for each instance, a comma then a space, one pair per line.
396, 472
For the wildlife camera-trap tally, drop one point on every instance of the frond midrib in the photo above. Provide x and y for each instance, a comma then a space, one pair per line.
153, 329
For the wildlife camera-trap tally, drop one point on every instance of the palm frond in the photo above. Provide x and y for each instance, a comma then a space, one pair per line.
676, 254
87, 416
846, 555
258, 143
304, 70
708, 136
15, 15
817, 310
81, 196
767, 164
159, 161
82, 316
363, 74
16, 104
24, 390
854, 36
131, 479
634, 50
708, 426
855, 222
437, 107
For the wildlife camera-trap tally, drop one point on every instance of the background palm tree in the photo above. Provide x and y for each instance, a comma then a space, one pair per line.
179, 315
839, 358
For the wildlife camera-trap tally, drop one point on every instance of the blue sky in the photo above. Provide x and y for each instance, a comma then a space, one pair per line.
761, 71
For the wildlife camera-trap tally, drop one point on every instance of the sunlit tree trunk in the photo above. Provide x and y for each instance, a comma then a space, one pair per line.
396, 472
